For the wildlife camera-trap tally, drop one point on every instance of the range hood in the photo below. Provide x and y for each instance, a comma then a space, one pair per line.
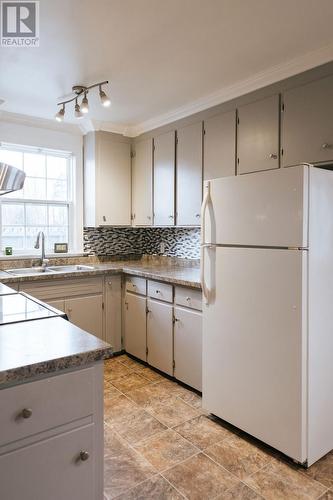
11, 178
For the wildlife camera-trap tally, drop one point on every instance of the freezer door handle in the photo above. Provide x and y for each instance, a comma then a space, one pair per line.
205, 290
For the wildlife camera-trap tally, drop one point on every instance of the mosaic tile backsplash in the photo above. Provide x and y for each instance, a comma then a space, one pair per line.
178, 242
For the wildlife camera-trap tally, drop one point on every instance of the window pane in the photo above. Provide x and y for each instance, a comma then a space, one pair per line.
36, 215
13, 236
56, 235
14, 158
56, 190
34, 165
12, 214
56, 167
34, 188
58, 215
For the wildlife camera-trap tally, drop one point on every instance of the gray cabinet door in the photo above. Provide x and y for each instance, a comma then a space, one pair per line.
86, 313
307, 123
164, 179
220, 145
135, 325
189, 174
142, 185
159, 336
258, 135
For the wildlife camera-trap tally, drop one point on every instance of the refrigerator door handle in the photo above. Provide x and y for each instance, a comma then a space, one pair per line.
205, 290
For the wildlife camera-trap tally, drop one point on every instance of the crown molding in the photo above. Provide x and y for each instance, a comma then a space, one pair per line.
115, 128
33, 121
262, 79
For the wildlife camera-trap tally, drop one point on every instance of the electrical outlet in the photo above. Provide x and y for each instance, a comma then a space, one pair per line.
162, 247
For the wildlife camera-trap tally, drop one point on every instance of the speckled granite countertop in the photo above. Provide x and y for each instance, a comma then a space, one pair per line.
162, 269
42, 346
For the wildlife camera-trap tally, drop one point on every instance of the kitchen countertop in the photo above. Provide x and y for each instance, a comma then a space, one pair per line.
162, 270
45, 346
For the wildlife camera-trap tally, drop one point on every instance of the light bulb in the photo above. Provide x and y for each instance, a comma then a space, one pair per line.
85, 104
104, 98
61, 114
78, 113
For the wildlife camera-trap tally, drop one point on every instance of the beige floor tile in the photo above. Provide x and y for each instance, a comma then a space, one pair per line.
123, 467
130, 382
149, 374
118, 408
202, 431
110, 391
156, 488
172, 411
129, 362
327, 496
238, 456
136, 426
166, 449
200, 478
278, 481
145, 396
322, 471
240, 492
116, 371
192, 399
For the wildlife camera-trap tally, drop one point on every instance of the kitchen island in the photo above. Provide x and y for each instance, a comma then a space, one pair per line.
51, 418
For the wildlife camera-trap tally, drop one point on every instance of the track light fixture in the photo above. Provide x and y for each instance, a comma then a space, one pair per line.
78, 91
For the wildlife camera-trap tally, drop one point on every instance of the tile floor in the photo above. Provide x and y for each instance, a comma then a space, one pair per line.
160, 444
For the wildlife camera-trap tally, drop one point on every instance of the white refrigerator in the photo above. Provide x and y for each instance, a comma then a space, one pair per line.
267, 280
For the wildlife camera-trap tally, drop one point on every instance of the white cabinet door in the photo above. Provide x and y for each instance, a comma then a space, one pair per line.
142, 183
258, 135
159, 336
189, 175
164, 179
135, 325
113, 311
307, 125
51, 469
188, 347
86, 313
113, 182
220, 145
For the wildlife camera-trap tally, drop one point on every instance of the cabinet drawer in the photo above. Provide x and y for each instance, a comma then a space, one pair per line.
188, 298
136, 285
51, 469
53, 289
52, 402
160, 291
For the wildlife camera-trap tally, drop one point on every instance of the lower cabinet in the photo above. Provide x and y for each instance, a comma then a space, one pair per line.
188, 346
51, 469
86, 313
135, 325
160, 335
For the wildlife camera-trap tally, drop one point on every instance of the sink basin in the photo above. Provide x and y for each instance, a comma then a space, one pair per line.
30, 270
70, 268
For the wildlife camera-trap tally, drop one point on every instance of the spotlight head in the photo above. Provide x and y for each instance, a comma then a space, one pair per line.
105, 100
85, 104
78, 113
61, 114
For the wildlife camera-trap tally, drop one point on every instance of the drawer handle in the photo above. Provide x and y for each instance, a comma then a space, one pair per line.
188, 299
157, 291
197, 216
26, 412
326, 145
273, 156
84, 455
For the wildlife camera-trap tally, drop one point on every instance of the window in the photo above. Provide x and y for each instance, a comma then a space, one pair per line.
44, 204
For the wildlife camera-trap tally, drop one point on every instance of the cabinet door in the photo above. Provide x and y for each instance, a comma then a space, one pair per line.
135, 325
164, 179
189, 175
113, 182
307, 126
220, 145
58, 304
258, 135
159, 336
142, 187
188, 347
113, 311
51, 469
86, 313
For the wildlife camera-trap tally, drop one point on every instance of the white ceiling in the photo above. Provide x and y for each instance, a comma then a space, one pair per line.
164, 58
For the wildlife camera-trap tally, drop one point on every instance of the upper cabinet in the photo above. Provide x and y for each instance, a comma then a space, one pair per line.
107, 180
142, 183
220, 145
307, 123
258, 135
189, 175
164, 179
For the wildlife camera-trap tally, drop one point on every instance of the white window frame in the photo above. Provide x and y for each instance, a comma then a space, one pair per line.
74, 233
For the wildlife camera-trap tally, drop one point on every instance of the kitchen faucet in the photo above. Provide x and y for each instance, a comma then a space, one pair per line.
44, 261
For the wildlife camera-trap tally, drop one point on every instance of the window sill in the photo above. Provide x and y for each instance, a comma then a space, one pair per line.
37, 256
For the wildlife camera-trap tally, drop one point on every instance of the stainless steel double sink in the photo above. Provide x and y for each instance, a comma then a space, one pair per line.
49, 270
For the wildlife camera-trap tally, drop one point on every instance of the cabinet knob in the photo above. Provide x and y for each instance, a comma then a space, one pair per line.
84, 455
110, 283
149, 217
188, 299
326, 146
197, 216
69, 309
157, 291
273, 156
26, 412
171, 216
